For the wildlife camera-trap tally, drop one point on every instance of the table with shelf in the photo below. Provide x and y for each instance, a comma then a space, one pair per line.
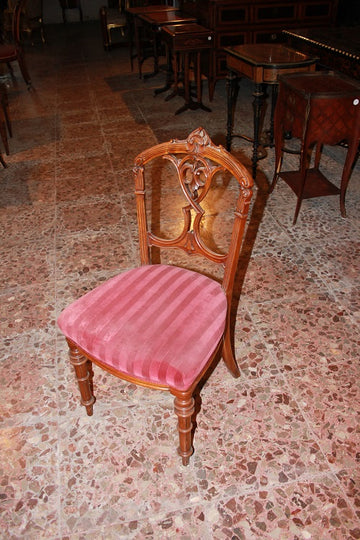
319, 109
263, 64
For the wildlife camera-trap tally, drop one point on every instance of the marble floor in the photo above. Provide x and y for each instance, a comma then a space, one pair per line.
276, 451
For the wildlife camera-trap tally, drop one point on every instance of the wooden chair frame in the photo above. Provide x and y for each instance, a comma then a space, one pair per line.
197, 160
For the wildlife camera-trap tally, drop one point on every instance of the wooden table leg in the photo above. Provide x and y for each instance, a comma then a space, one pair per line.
257, 104
231, 89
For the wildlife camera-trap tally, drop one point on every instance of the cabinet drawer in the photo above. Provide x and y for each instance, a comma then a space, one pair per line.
269, 36
316, 10
231, 15
228, 39
264, 13
193, 42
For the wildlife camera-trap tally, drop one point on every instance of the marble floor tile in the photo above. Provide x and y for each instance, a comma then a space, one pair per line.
277, 449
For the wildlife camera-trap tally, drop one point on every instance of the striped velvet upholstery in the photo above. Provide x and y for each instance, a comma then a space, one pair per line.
158, 323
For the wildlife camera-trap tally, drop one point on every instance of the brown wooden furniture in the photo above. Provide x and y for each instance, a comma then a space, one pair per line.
336, 48
31, 21
161, 326
186, 42
71, 4
135, 27
237, 22
153, 22
319, 108
13, 52
262, 63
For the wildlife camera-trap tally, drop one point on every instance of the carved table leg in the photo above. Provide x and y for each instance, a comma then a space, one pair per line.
352, 153
257, 104
274, 95
231, 88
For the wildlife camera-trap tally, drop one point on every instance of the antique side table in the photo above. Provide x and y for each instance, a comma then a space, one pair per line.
262, 63
134, 24
154, 21
184, 41
318, 108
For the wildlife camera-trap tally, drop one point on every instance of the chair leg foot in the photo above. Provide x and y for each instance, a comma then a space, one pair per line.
3, 162
84, 375
184, 409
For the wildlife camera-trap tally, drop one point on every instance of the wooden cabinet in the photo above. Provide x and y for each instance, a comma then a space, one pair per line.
236, 22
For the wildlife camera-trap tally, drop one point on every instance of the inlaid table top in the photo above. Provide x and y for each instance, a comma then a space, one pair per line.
263, 62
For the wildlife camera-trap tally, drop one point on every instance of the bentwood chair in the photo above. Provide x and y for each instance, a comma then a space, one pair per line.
158, 325
13, 52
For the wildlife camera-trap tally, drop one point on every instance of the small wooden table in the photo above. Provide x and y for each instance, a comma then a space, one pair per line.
155, 21
262, 63
317, 108
185, 40
134, 25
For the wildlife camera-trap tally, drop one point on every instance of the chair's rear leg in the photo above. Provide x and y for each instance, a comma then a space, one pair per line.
184, 408
2, 161
228, 355
3, 135
84, 374
24, 70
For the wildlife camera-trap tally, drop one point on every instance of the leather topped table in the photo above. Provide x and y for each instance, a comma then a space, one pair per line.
262, 63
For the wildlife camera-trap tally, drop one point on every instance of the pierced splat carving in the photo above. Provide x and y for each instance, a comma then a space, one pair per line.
196, 160
195, 177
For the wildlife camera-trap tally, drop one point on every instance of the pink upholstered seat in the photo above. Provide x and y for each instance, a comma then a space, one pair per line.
187, 312
161, 326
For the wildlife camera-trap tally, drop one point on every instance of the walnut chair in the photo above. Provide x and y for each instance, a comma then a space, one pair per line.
158, 325
13, 52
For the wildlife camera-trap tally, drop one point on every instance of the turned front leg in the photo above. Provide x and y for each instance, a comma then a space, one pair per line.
184, 409
83, 372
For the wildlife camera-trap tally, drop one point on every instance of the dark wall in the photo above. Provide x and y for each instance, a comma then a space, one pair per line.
349, 12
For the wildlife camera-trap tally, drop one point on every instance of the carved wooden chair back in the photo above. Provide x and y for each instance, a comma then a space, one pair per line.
196, 162
162, 325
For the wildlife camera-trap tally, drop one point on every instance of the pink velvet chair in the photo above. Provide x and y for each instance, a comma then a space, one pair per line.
161, 326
